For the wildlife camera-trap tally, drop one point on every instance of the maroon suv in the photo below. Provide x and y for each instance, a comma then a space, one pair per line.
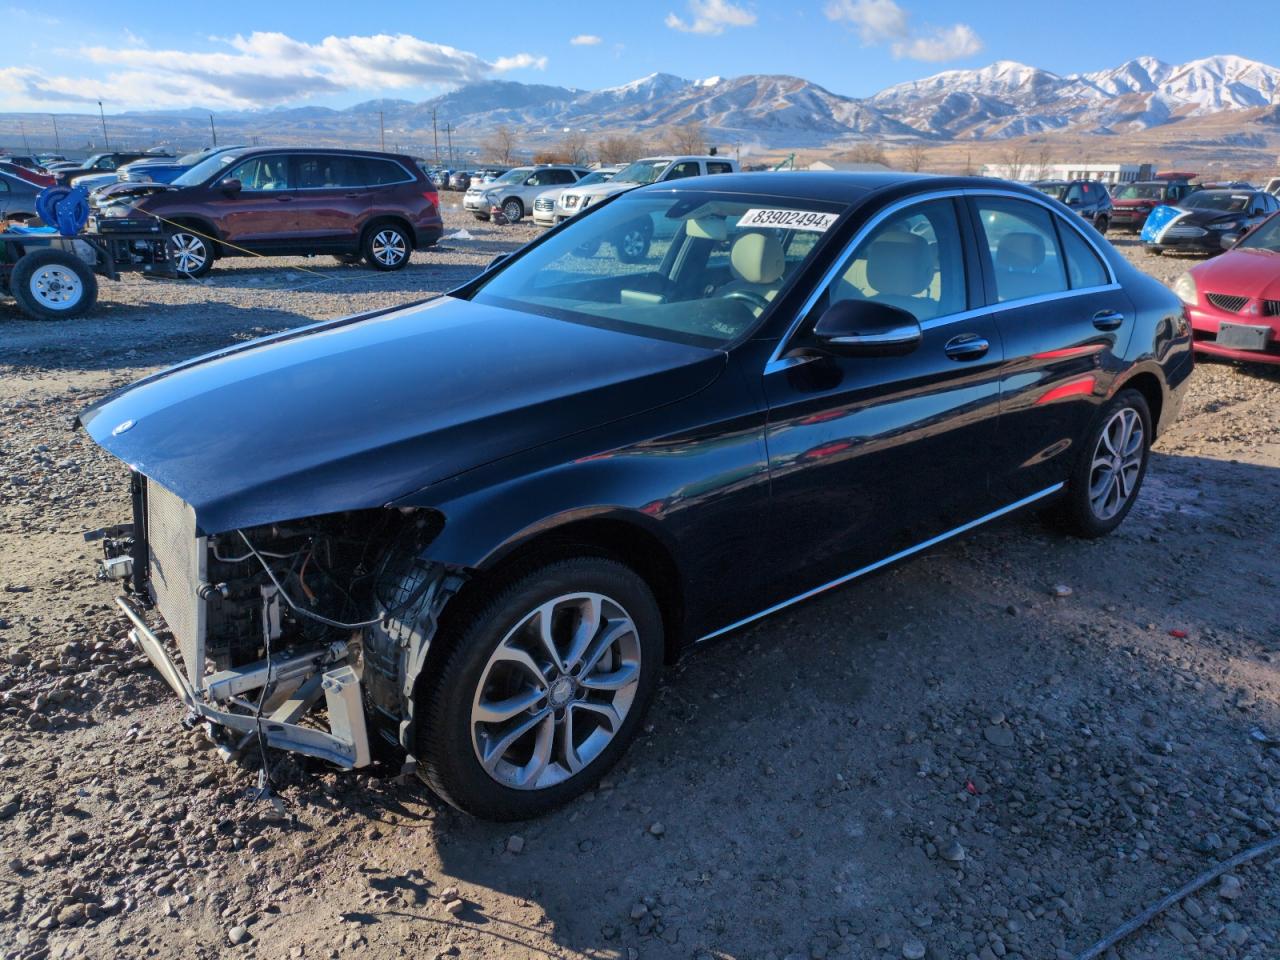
284, 200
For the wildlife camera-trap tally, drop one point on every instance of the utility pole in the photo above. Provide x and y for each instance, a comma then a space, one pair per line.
26, 145
103, 117
57, 141
382, 131
435, 135
448, 132
213, 131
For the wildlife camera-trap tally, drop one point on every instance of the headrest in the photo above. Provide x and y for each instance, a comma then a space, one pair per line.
1022, 252
757, 258
899, 263
709, 228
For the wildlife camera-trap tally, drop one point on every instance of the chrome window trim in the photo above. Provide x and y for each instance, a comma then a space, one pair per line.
900, 555
776, 362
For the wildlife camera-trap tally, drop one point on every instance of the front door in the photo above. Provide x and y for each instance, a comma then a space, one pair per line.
870, 456
261, 213
1062, 319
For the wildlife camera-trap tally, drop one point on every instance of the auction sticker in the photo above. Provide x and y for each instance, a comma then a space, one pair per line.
788, 219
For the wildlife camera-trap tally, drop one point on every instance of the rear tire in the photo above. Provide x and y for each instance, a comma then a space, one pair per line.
53, 285
634, 241
387, 246
500, 722
1106, 481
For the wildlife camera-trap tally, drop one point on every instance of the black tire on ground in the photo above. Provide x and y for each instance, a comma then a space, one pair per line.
190, 252
387, 246
53, 285
513, 209
1155, 251
349, 259
1075, 512
1103, 224
447, 753
481, 216
633, 242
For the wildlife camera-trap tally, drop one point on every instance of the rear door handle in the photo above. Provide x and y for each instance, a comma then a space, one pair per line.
967, 346
1108, 319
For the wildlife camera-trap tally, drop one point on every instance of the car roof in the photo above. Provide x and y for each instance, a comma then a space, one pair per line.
832, 185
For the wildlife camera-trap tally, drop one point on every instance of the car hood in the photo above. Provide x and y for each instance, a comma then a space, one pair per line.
1241, 273
597, 190
355, 413
1199, 217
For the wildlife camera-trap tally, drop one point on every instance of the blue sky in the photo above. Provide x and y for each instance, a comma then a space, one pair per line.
233, 54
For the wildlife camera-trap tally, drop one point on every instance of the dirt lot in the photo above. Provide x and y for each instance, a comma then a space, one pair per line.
950, 760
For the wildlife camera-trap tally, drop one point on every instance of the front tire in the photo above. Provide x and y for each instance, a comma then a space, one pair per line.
1106, 480
513, 210
53, 285
190, 253
634, 241
1103, 225
543, 688
387, 246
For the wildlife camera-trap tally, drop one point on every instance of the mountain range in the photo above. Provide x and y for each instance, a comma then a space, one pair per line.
1000, 101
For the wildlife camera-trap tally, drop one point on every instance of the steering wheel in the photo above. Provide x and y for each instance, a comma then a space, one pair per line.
749, 297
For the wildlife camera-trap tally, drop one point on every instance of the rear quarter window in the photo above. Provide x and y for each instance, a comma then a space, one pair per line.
379, 172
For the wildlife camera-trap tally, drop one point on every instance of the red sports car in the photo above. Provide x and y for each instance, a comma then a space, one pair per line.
1234, 300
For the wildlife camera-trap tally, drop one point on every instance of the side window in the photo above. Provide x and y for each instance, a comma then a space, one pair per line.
1075, 195
914, 260
378, 172
1084, 269
539, 178
1024, 249
318, 172
560, 177
719, 166
107, 163
688, 168
262, 173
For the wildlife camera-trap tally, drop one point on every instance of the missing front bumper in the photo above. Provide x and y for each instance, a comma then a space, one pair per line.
235, 700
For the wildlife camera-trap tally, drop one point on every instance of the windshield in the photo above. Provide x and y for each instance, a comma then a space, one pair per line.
1213, 200
642, 171
90, 161
1265, 237
591, 178
1142, 191
697, 267
1055, 190
517, 175
205, 169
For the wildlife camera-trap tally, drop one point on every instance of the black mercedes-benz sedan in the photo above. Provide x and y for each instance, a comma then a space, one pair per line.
469, 532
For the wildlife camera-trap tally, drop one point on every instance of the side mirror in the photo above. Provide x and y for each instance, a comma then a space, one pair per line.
865, 328
498, 261
232, 187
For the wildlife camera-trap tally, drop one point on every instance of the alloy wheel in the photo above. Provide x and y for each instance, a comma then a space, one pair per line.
1117, 463
188, 252
633, 243
513, 211
555, 691
389, 247
57, 288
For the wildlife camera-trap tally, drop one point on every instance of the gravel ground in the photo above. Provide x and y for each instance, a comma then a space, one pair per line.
1000, 749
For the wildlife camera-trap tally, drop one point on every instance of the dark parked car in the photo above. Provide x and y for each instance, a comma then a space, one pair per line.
98, 163
1088, 198
1132, 202
478, 527
1208, 221
17, 197
283, 200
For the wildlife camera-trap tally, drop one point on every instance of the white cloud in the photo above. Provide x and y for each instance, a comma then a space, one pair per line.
883, 21
585, 40
261, 69
711, 17
941, 43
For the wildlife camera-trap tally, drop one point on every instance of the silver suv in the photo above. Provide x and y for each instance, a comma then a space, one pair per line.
515, 191
648, 170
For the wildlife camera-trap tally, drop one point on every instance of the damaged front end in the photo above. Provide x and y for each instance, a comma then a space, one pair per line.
263, 632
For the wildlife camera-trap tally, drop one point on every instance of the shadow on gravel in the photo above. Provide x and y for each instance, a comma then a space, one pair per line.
936, 750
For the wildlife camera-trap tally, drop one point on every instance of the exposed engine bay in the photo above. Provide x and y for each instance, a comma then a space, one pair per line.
268, 621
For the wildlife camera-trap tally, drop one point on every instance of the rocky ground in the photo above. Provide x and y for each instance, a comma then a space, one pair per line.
1001, 749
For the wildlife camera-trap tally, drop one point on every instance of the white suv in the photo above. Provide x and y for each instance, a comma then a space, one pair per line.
544, 207
515, 191
648, 170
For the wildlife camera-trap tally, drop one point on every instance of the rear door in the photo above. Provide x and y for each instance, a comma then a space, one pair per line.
333, 198
870, 456
261, 215
1062, 319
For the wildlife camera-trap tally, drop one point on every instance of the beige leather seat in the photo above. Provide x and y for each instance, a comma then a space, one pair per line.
757, 262
1020, 267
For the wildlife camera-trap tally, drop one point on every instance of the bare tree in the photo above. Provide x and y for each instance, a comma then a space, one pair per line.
916, 157
500, 145
1014, 161
620, 148
573, 147
686, 138
871, 151
1044, 160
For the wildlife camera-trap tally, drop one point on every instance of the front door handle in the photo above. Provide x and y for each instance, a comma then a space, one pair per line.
1108, 319
967, 346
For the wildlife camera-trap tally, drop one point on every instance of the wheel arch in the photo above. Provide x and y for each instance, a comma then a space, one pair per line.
1147, 384
389, 218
